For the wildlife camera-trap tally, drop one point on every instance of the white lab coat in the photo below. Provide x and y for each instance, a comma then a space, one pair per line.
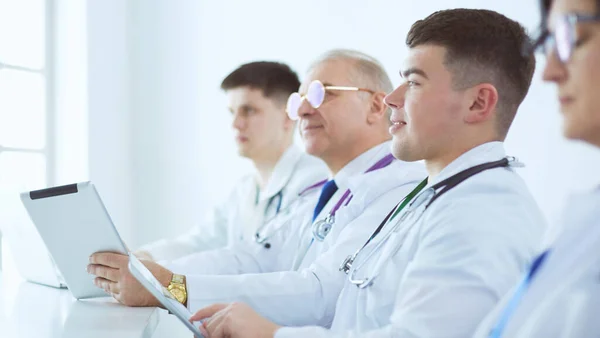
239, 215
312, 292
563, 299
447, 265
289, 242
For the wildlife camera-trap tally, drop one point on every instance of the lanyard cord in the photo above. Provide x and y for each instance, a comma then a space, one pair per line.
397, 210
445, 185
455, 180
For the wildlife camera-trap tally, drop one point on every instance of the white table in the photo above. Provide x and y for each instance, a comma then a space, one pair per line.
31, 310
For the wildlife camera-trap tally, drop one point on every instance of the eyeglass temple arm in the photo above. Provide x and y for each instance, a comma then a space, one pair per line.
354, 89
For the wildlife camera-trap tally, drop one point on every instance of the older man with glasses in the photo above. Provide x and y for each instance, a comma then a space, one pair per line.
346, 127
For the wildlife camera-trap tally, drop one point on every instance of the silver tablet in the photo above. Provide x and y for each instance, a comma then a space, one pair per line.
74, 224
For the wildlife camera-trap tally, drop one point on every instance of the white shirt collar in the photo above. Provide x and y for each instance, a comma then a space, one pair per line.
361, 163
282, 173
487, 152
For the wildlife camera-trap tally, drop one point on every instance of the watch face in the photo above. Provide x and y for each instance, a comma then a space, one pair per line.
178, 294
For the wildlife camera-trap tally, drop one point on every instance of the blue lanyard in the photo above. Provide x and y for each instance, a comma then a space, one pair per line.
517, 296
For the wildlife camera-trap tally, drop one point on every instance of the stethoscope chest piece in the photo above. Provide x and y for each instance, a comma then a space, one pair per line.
322, 227
347, 264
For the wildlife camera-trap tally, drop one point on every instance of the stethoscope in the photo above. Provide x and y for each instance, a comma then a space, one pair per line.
321, 228
278, 196
414, 202
260, 237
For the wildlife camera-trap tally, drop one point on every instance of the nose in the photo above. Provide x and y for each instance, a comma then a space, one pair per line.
238, 123
395, 99
305, 109
554, 71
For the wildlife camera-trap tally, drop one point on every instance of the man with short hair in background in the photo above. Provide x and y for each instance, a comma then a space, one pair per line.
257, 93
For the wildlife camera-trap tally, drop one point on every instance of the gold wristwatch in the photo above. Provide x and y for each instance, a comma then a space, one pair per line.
177, 288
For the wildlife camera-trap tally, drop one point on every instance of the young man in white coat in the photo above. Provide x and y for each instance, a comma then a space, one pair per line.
257, 93
559, 295
343, 121
447, 253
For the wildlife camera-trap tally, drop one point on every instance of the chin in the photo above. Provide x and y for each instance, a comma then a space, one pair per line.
571, 130
244, 152
398, 150
312, 148
405, 153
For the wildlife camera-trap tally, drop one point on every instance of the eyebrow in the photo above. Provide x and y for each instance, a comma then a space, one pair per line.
413, 70
247, 106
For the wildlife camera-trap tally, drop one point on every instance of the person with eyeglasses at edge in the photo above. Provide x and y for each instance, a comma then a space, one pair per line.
343, 121
441, 263
256, 94
559, 295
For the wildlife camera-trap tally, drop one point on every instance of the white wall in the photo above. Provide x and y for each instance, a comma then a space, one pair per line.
175, 135
70, 84
155, 69
109, 106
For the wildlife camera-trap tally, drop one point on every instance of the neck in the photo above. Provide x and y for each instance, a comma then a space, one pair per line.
340, 159
436, 164
265, 164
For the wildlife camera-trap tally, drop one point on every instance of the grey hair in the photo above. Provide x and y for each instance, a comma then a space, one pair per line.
368, 71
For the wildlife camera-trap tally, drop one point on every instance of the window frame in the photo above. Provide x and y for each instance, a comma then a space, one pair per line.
48, 72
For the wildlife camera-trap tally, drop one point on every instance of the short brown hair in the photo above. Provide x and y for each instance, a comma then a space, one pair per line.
276, 80
482, 46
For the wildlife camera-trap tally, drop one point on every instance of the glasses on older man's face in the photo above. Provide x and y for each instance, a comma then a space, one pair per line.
564, 39
315, 96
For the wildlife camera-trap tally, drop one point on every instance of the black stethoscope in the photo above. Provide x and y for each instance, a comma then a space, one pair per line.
435, 192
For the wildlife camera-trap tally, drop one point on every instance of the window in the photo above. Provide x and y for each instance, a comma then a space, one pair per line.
26, 114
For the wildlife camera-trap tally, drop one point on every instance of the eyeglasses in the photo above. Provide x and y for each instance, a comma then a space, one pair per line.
315, 95
564, 38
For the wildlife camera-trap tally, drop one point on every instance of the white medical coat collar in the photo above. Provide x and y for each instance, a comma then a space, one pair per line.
282, 173
361, 163
487, 152
365, 188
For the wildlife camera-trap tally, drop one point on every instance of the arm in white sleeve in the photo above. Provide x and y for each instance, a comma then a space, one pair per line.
249, 256
321, 332
240, 258
306, 297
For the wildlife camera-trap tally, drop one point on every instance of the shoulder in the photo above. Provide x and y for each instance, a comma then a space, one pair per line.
306, 162
397, 179
493, 203
307, 171
243, 186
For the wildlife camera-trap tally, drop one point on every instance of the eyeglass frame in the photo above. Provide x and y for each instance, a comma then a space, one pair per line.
547, 37
328, 88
